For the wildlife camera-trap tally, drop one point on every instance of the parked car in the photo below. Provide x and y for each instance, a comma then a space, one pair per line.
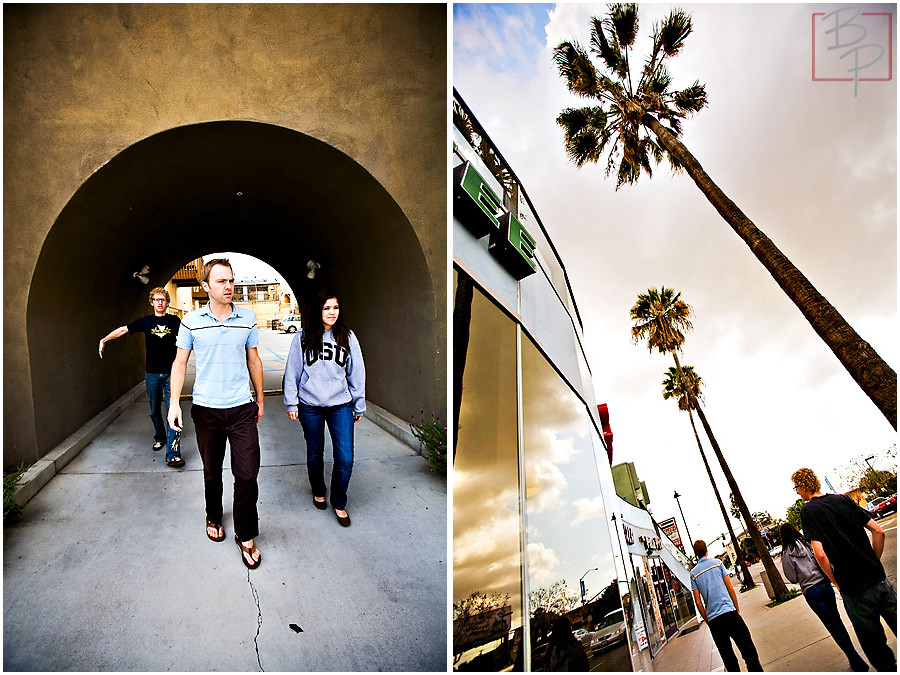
289, 324
583, 636
611, 632
882, 506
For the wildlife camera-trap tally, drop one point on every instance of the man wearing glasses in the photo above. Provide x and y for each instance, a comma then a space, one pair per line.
160, 330
837, 528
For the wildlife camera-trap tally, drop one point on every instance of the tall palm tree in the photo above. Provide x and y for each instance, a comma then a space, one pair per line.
620, 124
660, 317
676, 387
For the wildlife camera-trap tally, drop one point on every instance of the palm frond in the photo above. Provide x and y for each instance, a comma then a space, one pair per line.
655, 151
585, 133
575, 66
657, 81
673, 31
677, 166
691, 100
609, 53
624, 22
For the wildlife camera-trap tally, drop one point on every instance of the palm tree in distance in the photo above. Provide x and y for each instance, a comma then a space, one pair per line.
620, 124
676, 387
660, 317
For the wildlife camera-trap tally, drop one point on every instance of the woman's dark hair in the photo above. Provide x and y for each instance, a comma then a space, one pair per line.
790, 536
313, 329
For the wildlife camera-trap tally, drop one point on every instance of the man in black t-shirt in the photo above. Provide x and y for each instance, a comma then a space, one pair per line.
836, 527
160, 330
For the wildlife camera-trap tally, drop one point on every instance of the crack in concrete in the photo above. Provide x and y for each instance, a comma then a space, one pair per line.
258, 621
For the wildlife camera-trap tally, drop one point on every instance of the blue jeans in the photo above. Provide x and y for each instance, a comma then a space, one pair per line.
865, 610
340, 425
821, 600
158, 390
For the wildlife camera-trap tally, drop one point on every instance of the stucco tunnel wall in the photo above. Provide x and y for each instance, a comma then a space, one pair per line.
150, 134
273, 193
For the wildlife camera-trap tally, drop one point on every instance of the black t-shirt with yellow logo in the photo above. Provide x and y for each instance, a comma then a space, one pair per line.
159, 336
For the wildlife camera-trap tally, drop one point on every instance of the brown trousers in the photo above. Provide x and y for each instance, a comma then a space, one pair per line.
215, 426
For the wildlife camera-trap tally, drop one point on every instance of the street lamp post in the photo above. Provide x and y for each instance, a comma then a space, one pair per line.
874, 475
683, 521
581, 583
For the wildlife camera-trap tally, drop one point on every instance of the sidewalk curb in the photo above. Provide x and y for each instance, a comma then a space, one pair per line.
393, 425
55, 461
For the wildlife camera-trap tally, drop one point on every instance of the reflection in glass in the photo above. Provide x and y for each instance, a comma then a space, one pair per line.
571, 570
487, 565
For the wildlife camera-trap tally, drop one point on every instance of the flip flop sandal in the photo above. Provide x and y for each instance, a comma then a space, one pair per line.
218, 527
248, 550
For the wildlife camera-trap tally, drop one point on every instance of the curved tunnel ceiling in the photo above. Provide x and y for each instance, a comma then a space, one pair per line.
266, 191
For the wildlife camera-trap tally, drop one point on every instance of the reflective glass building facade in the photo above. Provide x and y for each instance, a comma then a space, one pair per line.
533, 493
539, 533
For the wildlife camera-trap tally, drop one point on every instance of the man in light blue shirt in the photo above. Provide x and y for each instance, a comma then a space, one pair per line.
718, 605
224, 339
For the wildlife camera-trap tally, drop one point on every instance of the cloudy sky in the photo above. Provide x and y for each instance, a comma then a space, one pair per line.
812, 164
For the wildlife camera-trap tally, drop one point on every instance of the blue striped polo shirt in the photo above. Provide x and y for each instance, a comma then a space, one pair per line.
708, 577
220, 355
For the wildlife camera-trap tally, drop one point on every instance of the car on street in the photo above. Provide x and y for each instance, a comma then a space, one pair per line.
289, 324
611, 632
882, 506
583, 636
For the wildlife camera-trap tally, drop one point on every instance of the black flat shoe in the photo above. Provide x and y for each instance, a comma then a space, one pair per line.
344, 521
320, 504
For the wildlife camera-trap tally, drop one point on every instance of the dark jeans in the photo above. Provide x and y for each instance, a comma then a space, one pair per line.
158, 390
730, 626
865, 610
822, 601
213, 427
340, 425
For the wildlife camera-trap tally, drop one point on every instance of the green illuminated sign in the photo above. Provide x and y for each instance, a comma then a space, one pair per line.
482, 212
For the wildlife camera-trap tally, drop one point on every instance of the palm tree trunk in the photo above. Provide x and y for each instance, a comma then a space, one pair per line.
745, 573
876, 378
462, 320
778, 586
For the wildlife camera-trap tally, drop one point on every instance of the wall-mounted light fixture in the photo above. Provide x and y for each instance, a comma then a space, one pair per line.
312, 266
143, 276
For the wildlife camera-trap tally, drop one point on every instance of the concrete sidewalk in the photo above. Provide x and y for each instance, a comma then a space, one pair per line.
788, 638
110, 567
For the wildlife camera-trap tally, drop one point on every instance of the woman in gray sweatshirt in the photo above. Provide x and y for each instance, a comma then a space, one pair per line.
325, 383
800, 567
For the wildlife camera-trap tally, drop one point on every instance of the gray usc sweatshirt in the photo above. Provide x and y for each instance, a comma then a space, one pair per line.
800, 567
332, 377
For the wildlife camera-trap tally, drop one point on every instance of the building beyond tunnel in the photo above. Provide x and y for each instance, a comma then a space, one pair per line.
150, 134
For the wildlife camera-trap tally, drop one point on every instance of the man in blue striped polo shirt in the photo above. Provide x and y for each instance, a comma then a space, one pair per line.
224, 339
718, 605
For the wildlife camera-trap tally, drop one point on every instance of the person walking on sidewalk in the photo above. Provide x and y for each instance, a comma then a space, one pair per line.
718, 604
836, 527
160, 329
224, 339
325, 383
800, 567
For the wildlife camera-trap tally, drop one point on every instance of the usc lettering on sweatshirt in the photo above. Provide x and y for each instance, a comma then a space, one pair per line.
332, 376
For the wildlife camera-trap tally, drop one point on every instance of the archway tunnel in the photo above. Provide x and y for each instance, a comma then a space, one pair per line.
267, 191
